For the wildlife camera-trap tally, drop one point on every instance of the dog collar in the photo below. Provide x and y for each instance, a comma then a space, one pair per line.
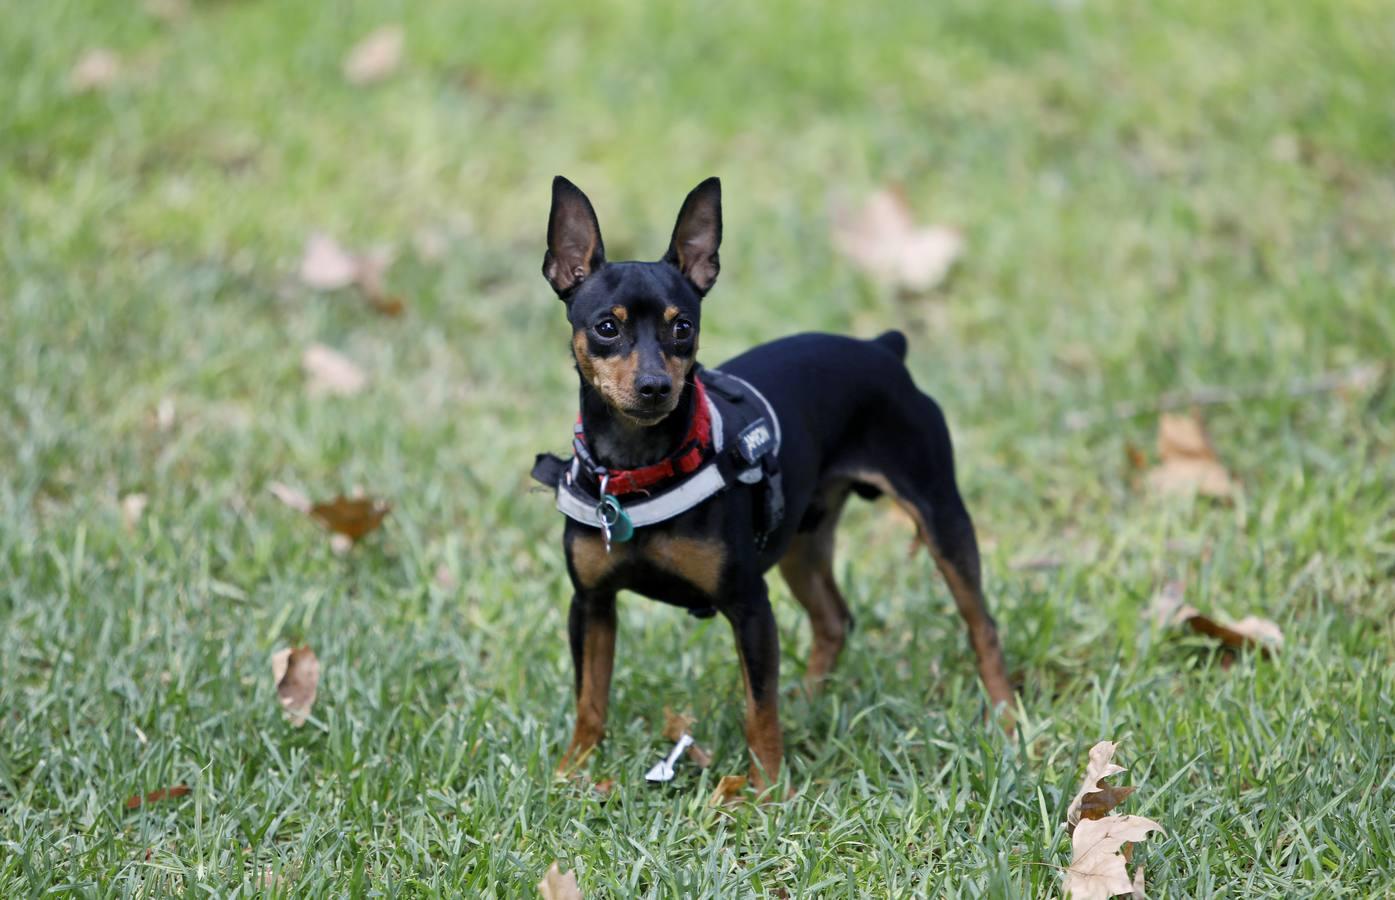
687, 459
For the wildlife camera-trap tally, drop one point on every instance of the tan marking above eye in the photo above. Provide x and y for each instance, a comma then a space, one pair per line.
620, 313
670, 314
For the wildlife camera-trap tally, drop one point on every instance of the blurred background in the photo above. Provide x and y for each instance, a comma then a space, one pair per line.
202, 201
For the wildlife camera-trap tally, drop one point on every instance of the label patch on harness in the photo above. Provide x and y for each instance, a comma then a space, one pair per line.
755, 440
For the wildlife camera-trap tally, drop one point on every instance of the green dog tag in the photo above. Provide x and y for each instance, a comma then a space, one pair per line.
615, 522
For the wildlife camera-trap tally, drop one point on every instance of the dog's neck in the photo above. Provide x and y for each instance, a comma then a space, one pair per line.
620, 444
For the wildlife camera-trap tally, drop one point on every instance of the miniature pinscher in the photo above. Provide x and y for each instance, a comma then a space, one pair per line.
692, 515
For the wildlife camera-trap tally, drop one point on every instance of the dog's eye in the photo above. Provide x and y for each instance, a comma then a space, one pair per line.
608, 329
682, 329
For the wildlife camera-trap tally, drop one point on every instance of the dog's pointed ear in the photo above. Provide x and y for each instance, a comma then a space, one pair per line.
574, 248
697, 235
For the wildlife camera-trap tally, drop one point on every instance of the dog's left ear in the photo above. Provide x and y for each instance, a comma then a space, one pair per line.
697, 235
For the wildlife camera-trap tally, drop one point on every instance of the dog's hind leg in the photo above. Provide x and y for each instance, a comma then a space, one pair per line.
807, 568
917, 469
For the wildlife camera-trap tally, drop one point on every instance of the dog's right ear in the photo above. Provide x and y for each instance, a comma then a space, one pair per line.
574, 248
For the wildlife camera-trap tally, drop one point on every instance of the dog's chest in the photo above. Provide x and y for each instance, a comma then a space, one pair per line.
696, 561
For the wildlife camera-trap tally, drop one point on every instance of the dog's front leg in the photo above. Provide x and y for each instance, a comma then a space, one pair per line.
758, 646
591, 630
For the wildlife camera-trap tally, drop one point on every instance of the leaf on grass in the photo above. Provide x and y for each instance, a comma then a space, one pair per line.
326, 265
296, 672
1138, 886
95, 70
1189, 461
558, 886
166, 10
352, 517
169, 793
728, 791
376, 56
1169, 608
883, 239
132, 508
1095, 798
1251, 631
1098, 868
603, 789
291, 497
331, 372
675, 726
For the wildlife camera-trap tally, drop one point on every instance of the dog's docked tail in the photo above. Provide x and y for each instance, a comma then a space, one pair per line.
894, 341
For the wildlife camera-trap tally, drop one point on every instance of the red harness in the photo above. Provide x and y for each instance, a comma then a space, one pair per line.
686, 460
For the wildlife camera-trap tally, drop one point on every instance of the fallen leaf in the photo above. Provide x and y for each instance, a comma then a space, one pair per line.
1098, 869
296, 672
1095, 798
1251, 631
1138, 887
675, 726
1169, 608
331, 372
728, 791
372, 267
132, 508
352, 517
291, 497
326, 265
376, 56
557, 886
1189, 461
166, 10
884, 241
604, 788
95, 70
169, 793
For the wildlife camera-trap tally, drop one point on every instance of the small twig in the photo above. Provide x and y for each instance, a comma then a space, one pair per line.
1356, 378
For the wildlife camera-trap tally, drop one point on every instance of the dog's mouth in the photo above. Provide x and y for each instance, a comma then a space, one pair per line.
645, 416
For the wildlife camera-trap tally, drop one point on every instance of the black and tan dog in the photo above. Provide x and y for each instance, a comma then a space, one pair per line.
831, 416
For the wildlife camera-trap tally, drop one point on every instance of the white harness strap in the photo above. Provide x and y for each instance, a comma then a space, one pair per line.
703, 483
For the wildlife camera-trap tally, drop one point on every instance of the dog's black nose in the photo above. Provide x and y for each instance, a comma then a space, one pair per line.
653, 387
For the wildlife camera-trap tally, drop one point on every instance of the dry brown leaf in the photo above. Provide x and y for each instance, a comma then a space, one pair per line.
166, 10
1138, 886
291, 497
1098, 869
557, 886
1169, 608
326, 265
376, 56
884, 241
352, 517
1095, 798
95, 70
296, 672
1189, 461
675, 726
728, 791
1251, 631
132, 508
603, 789
169, 793
331, 372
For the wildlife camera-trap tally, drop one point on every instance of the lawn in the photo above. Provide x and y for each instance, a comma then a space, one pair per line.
1156, 200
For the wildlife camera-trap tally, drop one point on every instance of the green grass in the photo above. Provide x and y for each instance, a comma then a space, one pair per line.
1156, 197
